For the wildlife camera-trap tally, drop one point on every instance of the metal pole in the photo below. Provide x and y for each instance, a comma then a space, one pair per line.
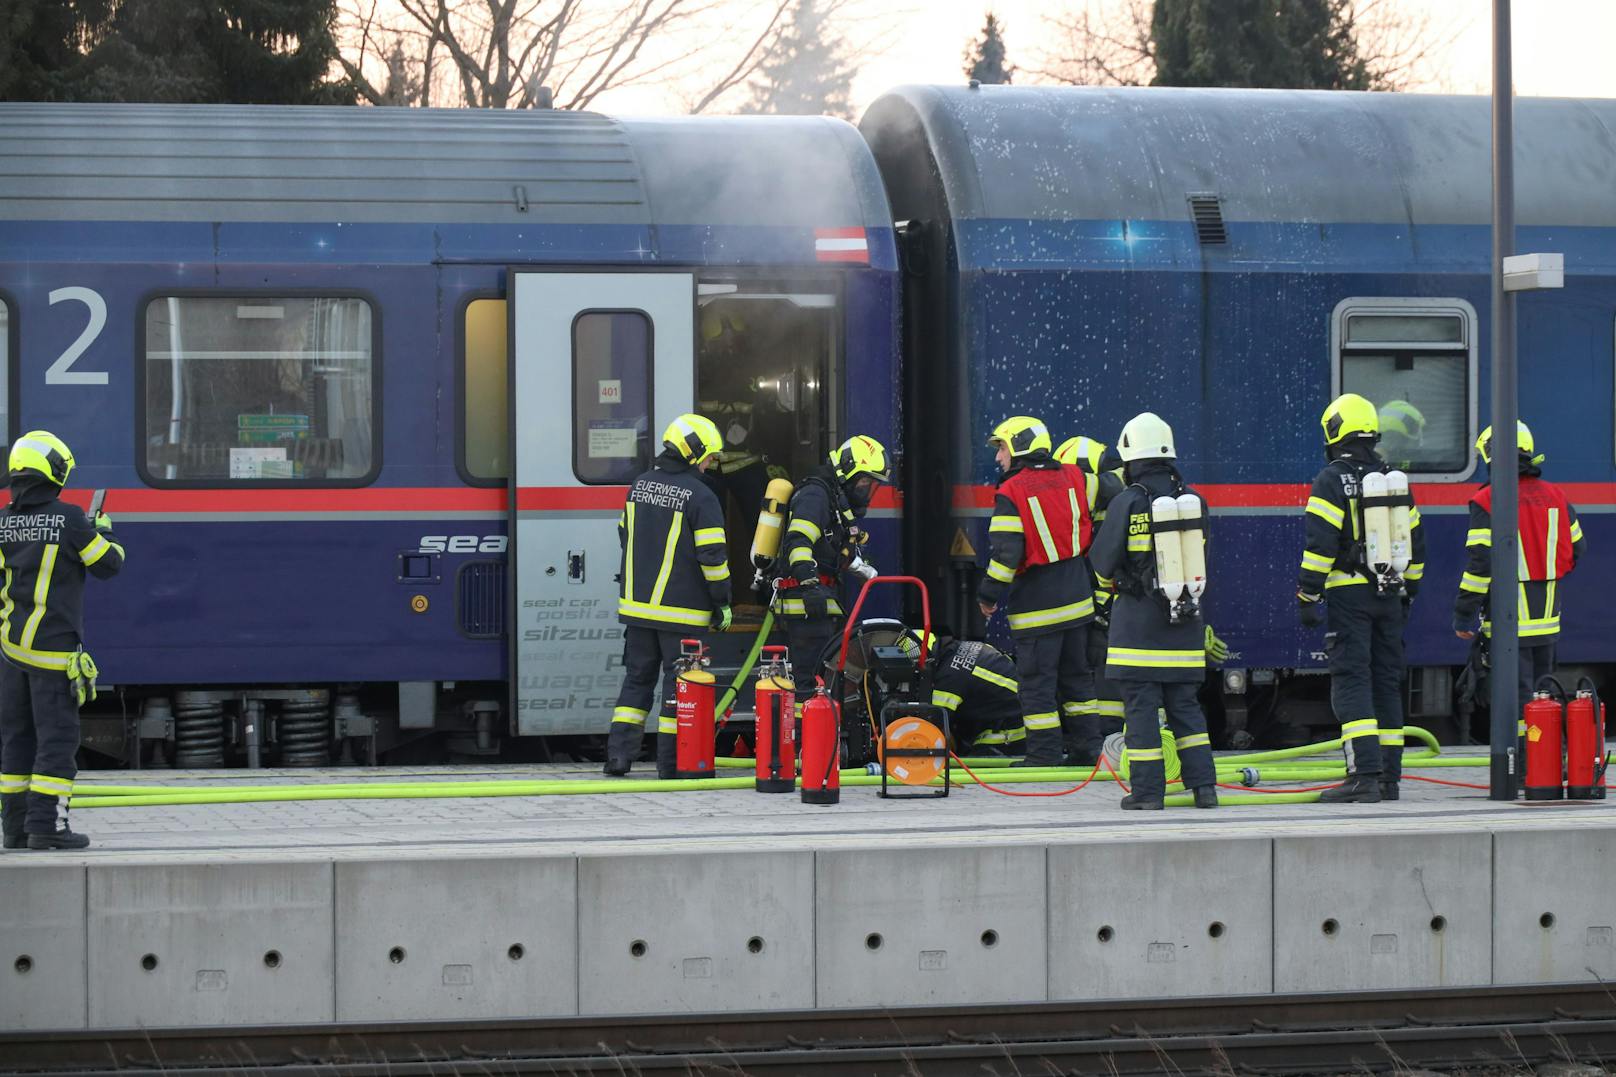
1504, 617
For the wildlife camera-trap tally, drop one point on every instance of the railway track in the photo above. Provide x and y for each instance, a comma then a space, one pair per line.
1299, 1034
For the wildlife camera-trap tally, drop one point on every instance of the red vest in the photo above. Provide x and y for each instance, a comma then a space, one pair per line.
1054, 510
1545, 527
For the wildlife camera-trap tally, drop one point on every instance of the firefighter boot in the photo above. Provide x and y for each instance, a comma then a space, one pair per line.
667, 749
54, 809
1044, 749
1357, 789
1149, 786
1080, 736
1206, 796
13, 807
622, 747
1390, 791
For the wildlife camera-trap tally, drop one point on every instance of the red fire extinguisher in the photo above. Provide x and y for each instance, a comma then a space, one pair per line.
696, 697
1544, 745
1585, 744
821, 750
776, 735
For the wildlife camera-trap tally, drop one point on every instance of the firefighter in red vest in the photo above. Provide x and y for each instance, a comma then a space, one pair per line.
1551, 544
1040, 530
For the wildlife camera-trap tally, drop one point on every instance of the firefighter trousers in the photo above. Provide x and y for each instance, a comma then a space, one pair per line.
648, 656
1103, 714
1534, 661
807, 638
39, 740
1364, 643
1143, 703
1052, 669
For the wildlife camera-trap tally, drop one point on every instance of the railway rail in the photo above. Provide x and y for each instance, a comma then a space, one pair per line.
1296, 1034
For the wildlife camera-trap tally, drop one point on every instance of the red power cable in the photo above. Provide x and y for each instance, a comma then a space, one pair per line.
1017, 793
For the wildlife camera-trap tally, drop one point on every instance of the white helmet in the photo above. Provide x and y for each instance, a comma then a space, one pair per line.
1146, 437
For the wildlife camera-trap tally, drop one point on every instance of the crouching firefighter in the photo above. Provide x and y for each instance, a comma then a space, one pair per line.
47, 546
1364, 558
822, 537
674, 584
1153, 547
976, 684
1040, 530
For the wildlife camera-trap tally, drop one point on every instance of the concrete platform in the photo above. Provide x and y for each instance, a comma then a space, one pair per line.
717, 901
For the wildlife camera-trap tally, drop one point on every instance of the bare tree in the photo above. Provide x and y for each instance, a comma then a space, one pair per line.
1108, 43
534, 53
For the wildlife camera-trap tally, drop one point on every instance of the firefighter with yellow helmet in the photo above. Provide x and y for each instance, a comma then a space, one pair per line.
674, 583
47, 547
1361, 567
1037, 538
1551, 544
1402, 434
1086, 723
822, 539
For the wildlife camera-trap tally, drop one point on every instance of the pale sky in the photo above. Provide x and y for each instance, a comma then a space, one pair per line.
1562, 48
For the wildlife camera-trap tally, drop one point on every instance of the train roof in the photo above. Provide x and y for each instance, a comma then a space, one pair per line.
1101, 153
91, 162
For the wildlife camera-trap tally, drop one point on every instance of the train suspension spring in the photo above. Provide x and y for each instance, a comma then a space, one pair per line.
198, 731
304, 731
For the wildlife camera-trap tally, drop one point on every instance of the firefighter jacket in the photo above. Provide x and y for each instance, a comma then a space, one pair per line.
47, 546
1145, 644
675, 572
1334, 554
819, 527
977, 681
1551, 544
1040, 530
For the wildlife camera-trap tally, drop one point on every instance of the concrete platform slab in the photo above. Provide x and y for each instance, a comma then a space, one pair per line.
919, 927
208, 945
1554, 907
1382, 910
471, 937
43, 981
1152, 919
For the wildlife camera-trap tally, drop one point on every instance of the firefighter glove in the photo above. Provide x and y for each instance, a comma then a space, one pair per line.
1216, 649
722, 618
863, 568
815, 599
103, 522
81, 674
1310, 609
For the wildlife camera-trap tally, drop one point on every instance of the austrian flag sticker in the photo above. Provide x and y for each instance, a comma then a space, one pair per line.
841, 245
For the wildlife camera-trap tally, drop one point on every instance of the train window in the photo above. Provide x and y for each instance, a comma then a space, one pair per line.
259, 390
1415, 359
484, 421
611, 396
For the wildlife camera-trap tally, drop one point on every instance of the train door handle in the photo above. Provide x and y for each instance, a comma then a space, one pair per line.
575, 566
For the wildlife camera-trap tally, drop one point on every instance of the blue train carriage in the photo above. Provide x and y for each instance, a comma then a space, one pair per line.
1232, 259
282, 340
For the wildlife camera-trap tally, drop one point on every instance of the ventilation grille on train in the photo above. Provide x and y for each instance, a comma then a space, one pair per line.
1207, 212
480, 598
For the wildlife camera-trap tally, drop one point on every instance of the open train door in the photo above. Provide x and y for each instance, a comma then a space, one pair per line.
599, 364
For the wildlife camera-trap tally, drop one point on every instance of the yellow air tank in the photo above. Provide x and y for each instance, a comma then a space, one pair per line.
771, 522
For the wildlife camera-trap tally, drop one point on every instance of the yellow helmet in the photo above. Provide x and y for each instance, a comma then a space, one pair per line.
693, 438
1524, 443
1349, 415
1401, 417
1022, 435
43, 452
714, 324
861, 455
1082, 451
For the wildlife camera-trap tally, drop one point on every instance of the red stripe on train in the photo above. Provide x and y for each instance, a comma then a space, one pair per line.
1294, 495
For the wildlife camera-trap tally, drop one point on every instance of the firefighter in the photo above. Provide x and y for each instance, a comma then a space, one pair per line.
822, 538
46, 546
1086, 723
674, 584
1551, 544
976, 684
1365, 612
1402, 434
1040, 530
1158, 646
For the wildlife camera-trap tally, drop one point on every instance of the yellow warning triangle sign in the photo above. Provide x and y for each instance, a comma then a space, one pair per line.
962, 546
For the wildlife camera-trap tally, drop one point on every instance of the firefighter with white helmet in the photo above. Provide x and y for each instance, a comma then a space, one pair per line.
674, 583
1152, 546
1040, 530
1361, 567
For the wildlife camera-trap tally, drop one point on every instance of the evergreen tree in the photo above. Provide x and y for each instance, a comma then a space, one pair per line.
1291, 44
985, 58
808, 73
209, 51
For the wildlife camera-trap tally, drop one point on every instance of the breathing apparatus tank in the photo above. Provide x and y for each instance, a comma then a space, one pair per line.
1178, 537
1402, 518
1388, 525
770, 526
